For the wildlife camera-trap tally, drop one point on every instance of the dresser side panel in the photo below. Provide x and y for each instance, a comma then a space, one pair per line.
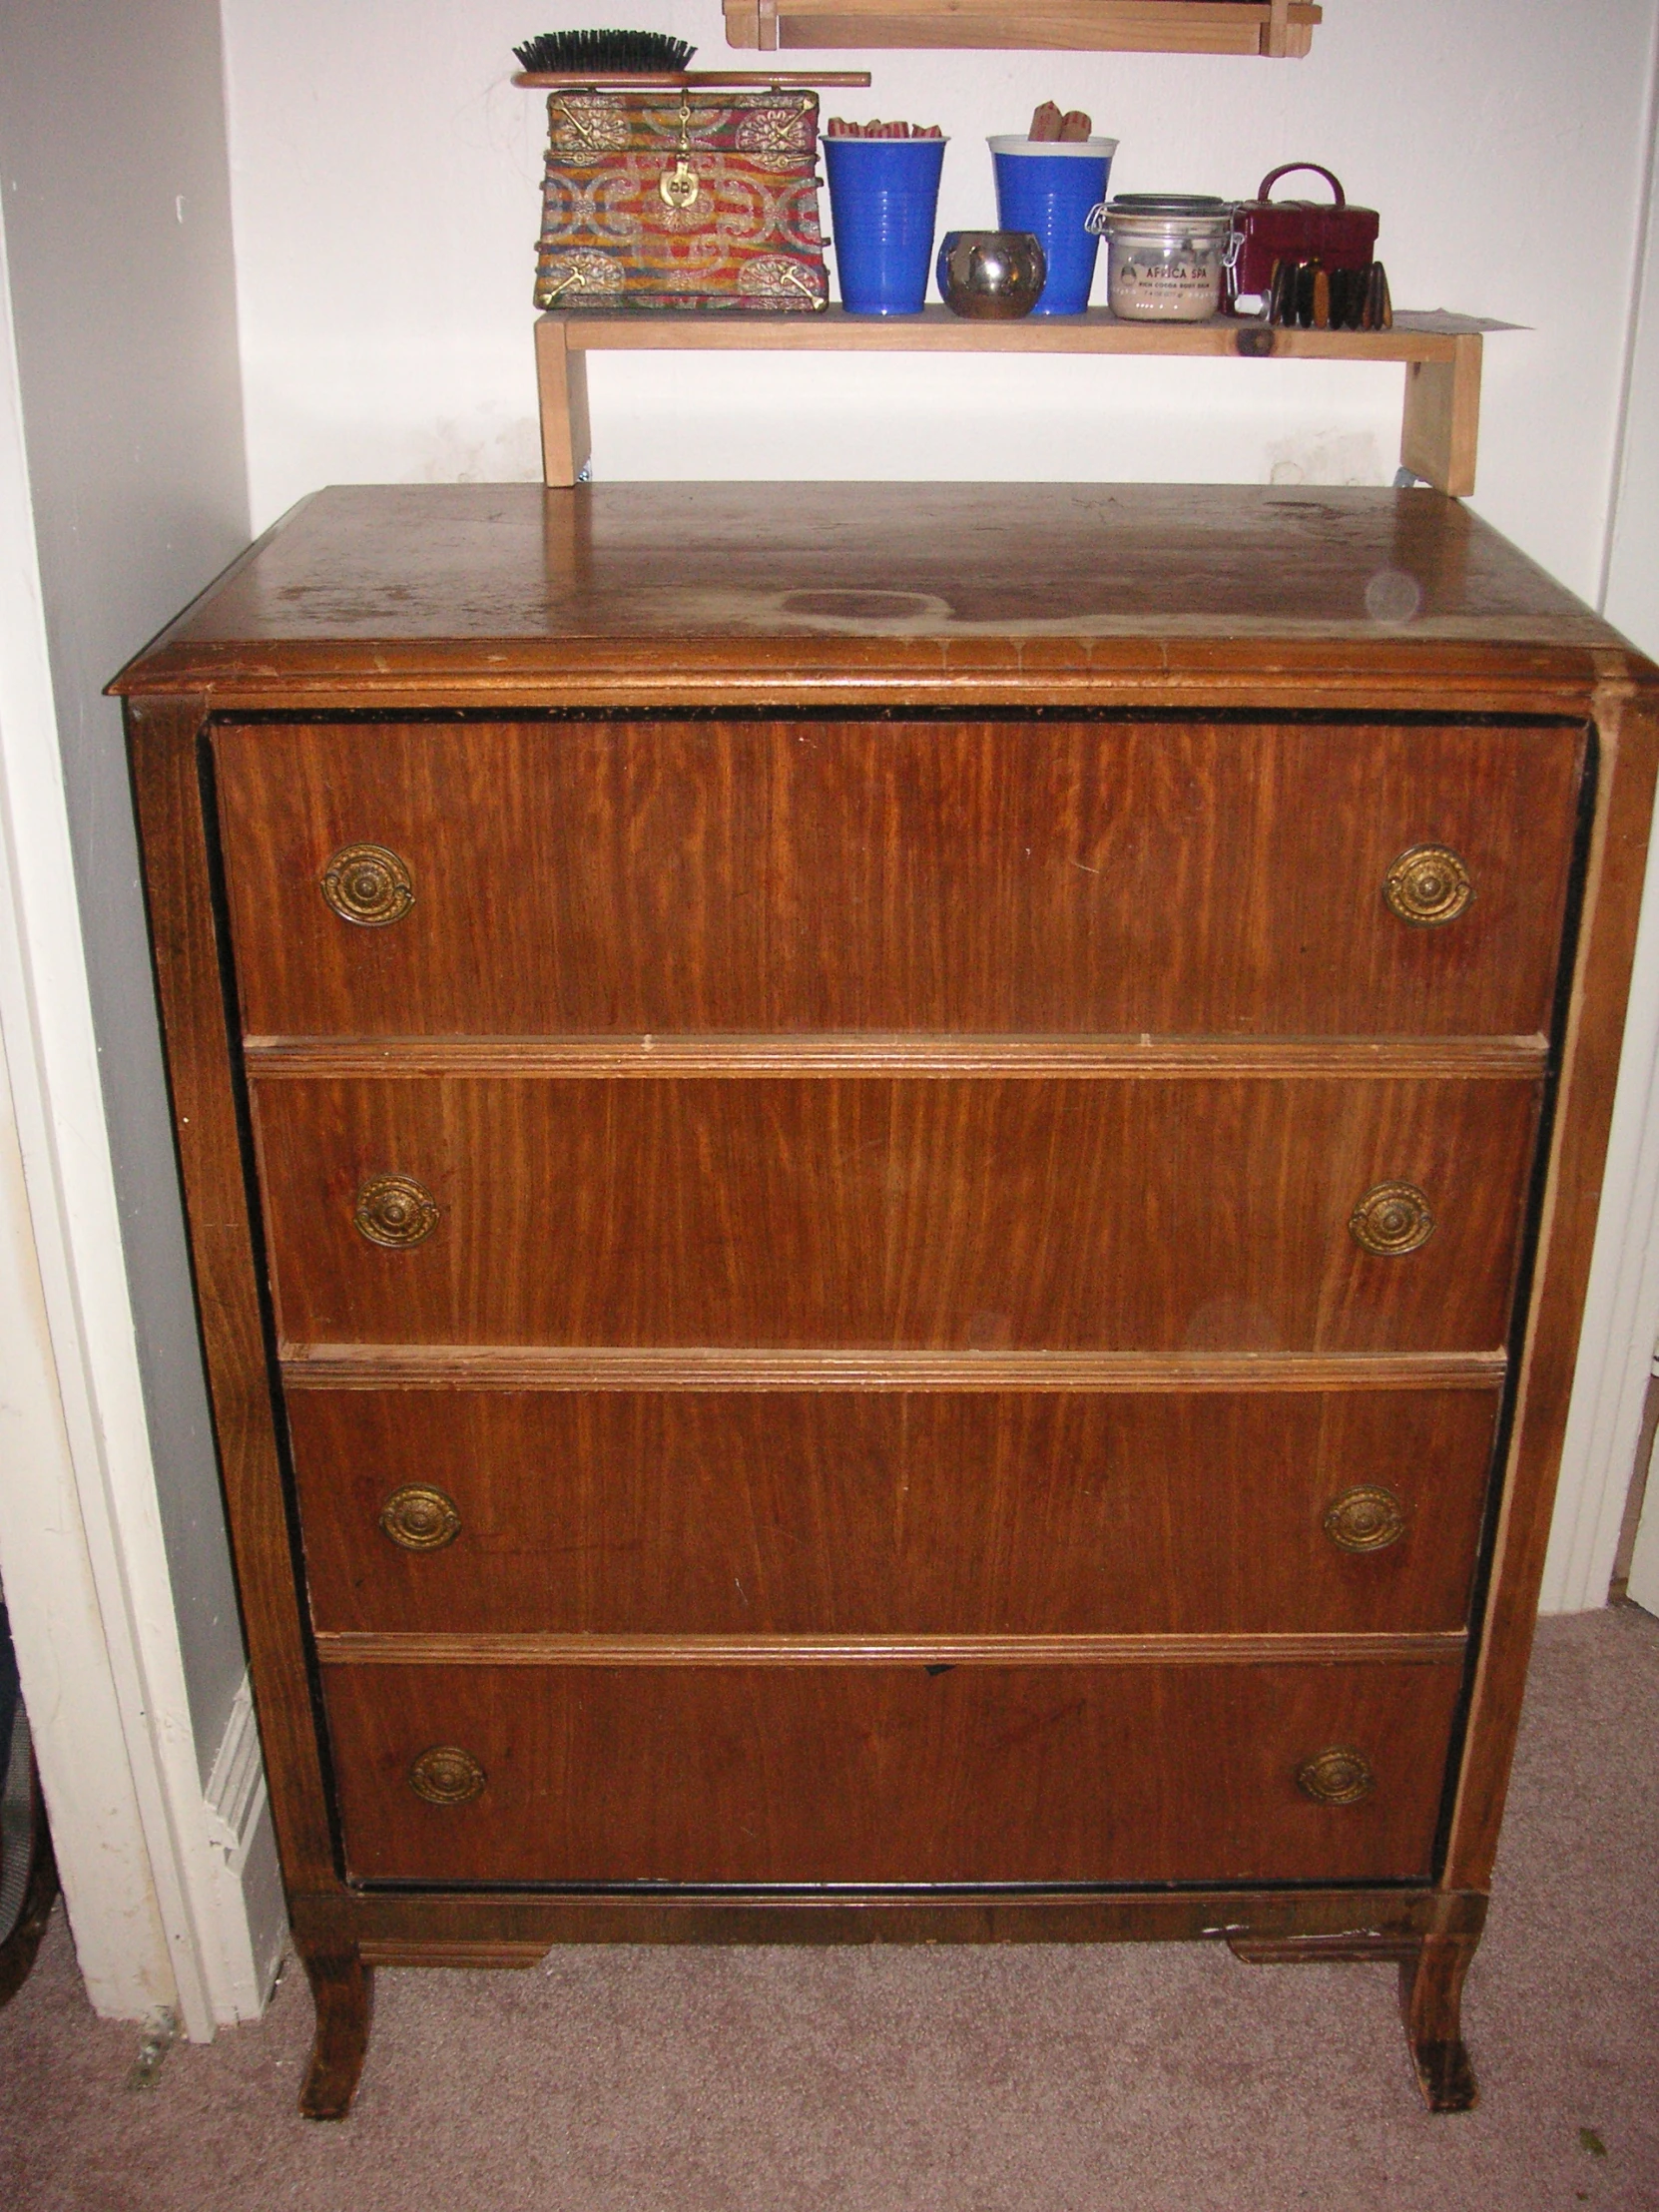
1626, 713
175, 838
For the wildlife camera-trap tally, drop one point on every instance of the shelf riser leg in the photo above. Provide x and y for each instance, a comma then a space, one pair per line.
562, 380
1442, 426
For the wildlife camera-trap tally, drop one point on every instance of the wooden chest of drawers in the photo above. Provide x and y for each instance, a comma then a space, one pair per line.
891, 1191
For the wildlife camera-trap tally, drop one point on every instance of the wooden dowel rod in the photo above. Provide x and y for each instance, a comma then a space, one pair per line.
781, 79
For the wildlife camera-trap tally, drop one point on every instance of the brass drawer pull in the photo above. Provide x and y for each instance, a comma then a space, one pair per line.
1366, 1519
421, 1518
446, 1775
1429, 886
396, 1211
1392, 1220
368, 884
1336, 1776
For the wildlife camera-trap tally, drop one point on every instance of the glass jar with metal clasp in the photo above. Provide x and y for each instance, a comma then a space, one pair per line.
1166, 254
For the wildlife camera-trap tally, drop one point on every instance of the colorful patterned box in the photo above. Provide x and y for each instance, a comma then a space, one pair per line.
671, 199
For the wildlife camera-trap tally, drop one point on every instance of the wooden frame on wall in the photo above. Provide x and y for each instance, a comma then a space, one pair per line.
1275, 27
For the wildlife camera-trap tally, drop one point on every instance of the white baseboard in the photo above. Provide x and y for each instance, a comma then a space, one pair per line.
250, 1932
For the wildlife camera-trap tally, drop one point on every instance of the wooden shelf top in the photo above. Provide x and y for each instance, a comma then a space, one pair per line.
938, 331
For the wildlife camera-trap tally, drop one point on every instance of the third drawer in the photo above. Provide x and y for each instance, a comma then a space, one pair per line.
892, 1512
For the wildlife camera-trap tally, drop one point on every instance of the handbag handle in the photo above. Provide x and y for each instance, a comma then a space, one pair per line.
1287, 168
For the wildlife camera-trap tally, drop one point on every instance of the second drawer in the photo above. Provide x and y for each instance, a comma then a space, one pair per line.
1202, 1214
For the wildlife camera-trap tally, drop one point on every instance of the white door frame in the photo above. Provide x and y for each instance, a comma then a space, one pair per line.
82, 1553
1621, 1314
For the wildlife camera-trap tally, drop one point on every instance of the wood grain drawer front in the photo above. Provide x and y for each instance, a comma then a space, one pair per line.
890, 1514
880, 1773
1021, 876
981, 1215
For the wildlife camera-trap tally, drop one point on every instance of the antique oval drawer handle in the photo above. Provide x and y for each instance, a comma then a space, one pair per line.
1392, 1220
1336, 1776
421, 1518
396, 1211
1429, 886
446, 1775
1367, 1519
368, 884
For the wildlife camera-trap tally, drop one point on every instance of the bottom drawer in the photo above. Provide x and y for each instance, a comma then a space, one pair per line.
889, 1773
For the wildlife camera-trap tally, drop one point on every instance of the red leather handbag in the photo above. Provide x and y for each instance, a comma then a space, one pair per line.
1268, 230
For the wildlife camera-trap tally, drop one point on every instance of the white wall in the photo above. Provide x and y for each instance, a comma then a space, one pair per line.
386, 190
1632, 583
123, 304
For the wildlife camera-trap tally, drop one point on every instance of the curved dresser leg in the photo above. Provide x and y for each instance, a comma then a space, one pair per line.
342, 1991
1431, 2003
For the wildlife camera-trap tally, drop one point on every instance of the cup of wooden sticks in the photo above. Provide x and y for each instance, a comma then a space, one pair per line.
884, 203
1049, 182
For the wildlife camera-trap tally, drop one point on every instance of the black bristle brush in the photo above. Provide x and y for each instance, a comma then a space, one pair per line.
604, 54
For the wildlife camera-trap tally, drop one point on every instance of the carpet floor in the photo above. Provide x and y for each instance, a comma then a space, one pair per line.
1034, 2079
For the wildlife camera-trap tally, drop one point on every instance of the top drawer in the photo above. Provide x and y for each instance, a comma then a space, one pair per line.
986, 875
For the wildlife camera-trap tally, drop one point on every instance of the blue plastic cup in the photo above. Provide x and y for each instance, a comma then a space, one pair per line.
883, 201
1051, 190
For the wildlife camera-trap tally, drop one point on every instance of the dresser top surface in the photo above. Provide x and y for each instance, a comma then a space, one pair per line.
897, 576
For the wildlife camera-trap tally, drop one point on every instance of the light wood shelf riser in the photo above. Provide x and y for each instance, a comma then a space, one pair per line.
1439, 427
